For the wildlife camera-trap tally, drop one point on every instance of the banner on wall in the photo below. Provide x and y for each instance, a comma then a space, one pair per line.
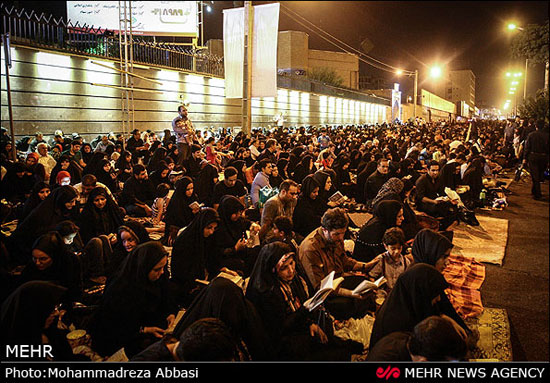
155, 18
264, 51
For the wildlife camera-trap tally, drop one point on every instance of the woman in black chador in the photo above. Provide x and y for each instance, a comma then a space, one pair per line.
136, 307
278, 289
192, 256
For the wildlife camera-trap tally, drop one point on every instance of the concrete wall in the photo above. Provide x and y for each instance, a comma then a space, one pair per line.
55, 91
346, 65
292, 50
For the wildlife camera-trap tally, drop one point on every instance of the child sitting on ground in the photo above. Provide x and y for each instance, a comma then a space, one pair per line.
392, 262
160, 204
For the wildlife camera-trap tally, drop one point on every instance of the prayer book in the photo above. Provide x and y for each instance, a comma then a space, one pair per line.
236, 279
195, 205
328, 285
366, 286
337, 197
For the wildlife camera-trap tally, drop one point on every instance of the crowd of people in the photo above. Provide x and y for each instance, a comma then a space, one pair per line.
274, 209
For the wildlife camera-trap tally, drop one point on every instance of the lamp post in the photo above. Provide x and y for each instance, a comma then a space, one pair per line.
415, 88
512, 27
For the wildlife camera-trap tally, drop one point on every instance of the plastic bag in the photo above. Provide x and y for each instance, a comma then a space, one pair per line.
266, 193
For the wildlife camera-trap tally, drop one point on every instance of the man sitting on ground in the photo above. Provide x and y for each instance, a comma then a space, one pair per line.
138, 193
230, 185
282, 204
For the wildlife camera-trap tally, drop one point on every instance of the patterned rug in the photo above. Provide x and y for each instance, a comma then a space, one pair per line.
484, 243
494, 336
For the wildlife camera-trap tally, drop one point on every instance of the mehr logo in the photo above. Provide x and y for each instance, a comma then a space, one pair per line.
389, 372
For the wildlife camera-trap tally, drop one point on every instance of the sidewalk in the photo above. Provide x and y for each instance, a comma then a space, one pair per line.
521, 284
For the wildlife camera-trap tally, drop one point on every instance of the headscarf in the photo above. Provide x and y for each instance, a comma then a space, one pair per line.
48, 214
308, 185
93, 221
64, 270
189, 255
321, 177
230, 205
281, 164
264, 279
62, 174
224, 300
205, 183
392, 186
86, 156
429, 246
34, 155
386, 212
93, 165
34, 200
447, 175
410, 301
134, 273
25, 311
132, 300
178, 212
136, 229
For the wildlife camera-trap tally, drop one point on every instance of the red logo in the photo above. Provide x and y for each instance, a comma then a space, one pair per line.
389, 372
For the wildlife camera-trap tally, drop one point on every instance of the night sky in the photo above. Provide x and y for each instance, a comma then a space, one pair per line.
410, 35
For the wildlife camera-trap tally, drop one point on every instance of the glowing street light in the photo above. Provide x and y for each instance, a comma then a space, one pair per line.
399, 72
435, 72
513, 27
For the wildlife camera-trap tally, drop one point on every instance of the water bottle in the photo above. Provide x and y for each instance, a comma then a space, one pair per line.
482, 196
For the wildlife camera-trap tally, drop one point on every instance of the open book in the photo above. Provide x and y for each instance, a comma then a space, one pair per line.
328, 285
337, 197
236, 279
195, 205
366, 286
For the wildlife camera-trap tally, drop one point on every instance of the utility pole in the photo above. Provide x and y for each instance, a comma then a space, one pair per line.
415, 92
247, 75
7, 61
525, 81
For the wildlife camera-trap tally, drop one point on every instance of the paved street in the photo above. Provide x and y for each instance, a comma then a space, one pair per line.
521, 285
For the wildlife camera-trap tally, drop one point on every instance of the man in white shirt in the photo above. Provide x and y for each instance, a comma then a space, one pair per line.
254, 152
261, 180
45, 159
89, 183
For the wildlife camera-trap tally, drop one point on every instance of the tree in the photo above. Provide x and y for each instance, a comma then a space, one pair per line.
536, 107
325, 75
531, 43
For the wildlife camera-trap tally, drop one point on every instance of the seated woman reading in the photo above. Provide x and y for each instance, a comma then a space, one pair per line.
279, 289
137, 307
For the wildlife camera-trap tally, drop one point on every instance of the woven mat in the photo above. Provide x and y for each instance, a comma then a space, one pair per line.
494, 335
484, 243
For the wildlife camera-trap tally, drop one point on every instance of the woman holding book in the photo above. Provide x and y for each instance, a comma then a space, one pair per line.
181, 209
192, 256
278, 288
137, 307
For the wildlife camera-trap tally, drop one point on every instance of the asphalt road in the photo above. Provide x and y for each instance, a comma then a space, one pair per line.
521, 285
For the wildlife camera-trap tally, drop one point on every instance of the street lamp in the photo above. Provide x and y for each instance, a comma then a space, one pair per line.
512, 27
435, 72
409, 73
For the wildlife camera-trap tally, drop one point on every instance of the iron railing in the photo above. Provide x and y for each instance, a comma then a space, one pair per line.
47, 32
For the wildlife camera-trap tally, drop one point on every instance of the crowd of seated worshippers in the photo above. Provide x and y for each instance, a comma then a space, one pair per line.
129, 229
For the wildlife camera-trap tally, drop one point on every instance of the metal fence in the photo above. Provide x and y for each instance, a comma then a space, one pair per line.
42, 31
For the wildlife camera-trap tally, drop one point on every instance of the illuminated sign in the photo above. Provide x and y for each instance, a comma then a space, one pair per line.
159, 18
